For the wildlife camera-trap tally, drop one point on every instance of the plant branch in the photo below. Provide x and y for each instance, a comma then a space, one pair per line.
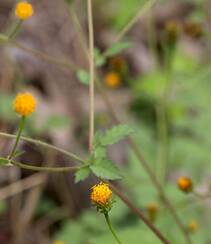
146, 167
139, 213
42, 169
91, 73
46, 145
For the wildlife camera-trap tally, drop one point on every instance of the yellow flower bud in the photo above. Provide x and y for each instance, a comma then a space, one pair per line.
185, 184
172, 31
193, 226
24, 10
24, 104
152, 210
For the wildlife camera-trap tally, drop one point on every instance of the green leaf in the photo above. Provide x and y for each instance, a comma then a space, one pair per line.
105, 169
115, 134
100, 152
97, 139
117, 48
99, 58
83, 77
82, 174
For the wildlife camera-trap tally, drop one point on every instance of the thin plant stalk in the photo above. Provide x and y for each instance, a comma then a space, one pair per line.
15, 30
161, 113
111, 228
91, 73
20, 129
45, 145
45, 169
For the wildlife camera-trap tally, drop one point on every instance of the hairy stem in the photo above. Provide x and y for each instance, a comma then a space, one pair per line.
20, 129
139, 214
41, 169
91, 73
111, 228
15, 29
45, 145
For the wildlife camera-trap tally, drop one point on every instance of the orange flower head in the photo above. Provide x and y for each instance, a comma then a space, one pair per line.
113, 80
24, 104
23, 10
185, 184
101, 195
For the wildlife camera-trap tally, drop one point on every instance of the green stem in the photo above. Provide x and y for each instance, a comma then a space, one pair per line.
45, 145
111, 228
15, 29
21, 126
161, 113
41, 169
162, 129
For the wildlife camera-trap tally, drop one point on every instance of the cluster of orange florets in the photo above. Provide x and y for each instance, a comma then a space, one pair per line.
101, 194
23, 10
24, 104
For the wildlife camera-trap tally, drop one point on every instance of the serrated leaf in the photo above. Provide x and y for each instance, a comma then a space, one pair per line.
117, 48
97, 139
83, 77
105, 169
100, 152
82, 174
115, 134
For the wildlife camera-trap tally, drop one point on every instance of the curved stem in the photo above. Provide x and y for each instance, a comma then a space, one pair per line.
135, 148
15, 29
21, 126
111, 228
42, 169
139, 213
162, 130
91, 73
46, 145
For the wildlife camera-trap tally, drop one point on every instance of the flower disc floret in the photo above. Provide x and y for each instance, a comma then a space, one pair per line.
101, 195
24, 104
24, 10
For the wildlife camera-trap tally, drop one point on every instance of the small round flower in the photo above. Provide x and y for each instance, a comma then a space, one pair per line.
193, 226
185, 184
101, 195
24, 10
113, 80
24, 104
